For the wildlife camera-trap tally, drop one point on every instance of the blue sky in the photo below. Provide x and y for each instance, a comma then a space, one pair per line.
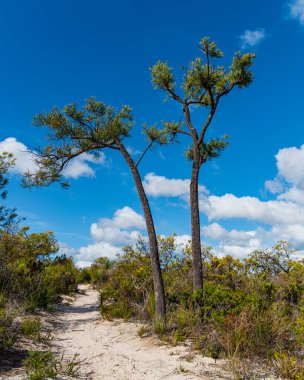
59, 52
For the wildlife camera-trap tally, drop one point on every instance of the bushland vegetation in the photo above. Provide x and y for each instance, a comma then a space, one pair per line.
253, 307
32, 275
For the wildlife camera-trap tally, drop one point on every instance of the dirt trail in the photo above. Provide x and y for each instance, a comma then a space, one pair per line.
113, 350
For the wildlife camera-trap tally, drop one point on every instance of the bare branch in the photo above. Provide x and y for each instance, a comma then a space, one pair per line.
144, 152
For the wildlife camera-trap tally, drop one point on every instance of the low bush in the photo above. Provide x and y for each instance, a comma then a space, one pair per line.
8, 332
40, 365
45, 365
31, 327
252, 308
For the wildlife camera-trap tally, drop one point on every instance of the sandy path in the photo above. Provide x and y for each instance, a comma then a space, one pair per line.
113, 350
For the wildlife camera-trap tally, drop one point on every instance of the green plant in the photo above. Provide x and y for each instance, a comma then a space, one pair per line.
288, 366
43, 365
31, 327
40, 365
8, 333
159, 326
71, 367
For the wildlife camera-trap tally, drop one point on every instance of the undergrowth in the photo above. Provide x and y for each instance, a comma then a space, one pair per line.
250, 310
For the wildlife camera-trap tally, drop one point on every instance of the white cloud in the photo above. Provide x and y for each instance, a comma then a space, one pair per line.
295, 194
272, 212
290, 164
235, 250
95, 250
110, 235
23, 156
240, 243
274, 186
160, 186
251, 38
78, 167
297, 10
181, 242
127, 218
216, 232
290, 177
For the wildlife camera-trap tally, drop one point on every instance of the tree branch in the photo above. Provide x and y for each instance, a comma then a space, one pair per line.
144, 152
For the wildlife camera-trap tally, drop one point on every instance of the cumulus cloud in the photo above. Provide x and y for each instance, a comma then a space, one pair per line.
109, 235
78, 167
290, 176
290, 164
296, 8
294, 194
235, 242
284, 215
91, 252
251, 38
24, 157
240, 243
229, 206
160, 186
117, 229
216, 232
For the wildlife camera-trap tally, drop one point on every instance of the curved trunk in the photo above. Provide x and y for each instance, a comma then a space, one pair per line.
195, 229
160, 303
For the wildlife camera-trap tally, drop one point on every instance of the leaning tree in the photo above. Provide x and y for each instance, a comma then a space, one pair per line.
74, 131
203, 85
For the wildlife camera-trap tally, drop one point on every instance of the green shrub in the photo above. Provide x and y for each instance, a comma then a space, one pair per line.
288, 366
8, 333
44, 365
40, 365
31, 327
249, 308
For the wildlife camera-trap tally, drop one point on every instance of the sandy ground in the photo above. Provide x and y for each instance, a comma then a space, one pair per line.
113, 350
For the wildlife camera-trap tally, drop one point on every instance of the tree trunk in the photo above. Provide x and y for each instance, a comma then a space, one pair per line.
195, 227
194, 205
160, 303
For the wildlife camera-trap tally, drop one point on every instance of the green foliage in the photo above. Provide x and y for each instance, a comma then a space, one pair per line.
29, 271
44, 365
128, 289
8, 333
210, 150
7, 215
162, 76
97, 273
73, 131
288, 366
251, 308
31, 327
40, 365
204, 83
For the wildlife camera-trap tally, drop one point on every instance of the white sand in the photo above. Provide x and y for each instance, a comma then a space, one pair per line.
113, 350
